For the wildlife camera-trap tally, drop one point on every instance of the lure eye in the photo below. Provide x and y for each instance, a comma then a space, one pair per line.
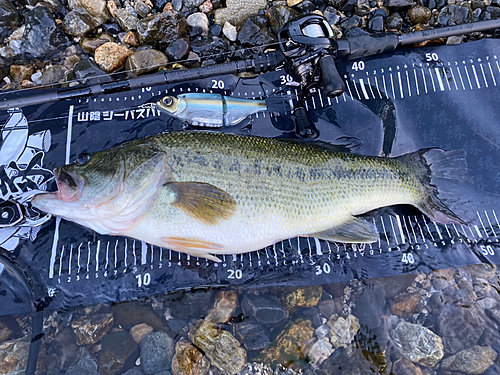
82, 159
167, 100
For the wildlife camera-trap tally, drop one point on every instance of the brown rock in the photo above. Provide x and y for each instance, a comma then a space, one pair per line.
131, 38
90, 329
308, 296
139, 331
206, 7
144, 61
188, 360
14, 356
19, 73
112, 7
405, 305
89, 44
111, 56
225, 306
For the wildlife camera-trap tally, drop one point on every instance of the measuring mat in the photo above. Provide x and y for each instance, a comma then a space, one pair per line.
394, 104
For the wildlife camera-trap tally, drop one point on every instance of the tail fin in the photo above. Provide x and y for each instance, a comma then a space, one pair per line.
436, 167
279, 104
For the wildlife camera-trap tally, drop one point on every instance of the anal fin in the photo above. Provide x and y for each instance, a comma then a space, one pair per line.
193, 247
352, 231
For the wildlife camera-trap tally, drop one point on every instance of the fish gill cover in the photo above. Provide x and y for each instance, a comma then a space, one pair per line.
394, 105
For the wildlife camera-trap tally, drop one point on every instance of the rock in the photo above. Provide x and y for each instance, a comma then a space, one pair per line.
291, 344
52, 74
42, 37
452, 15
278, 15
331, 15
142, 8
90, 329
157, 350
198, 22
70, 61
85, 16
292, 3
125, 19
398, 5
253, 336
178, 50
405, 305
188, 360
343, 363
14, 356
320, 351
370, 306
9, 16
264, 310
134, 371
161, 29
238, 11
139, 331
77, 25
255, 32
376, 24
394, 21
404, 366
475, 360
460, 328
226, 303
418, 344
111, 56
189, 5
84, 365
119, 352
87, 71
419, 14
230, 31
112, 7
309, 296
211, 47
220, 347
351, 22
342, 331
131, 38
191, 304
322, 331
253, 368
89, 44
63, 350
5, 332
21, 72
145, 61
362, 7
327, 308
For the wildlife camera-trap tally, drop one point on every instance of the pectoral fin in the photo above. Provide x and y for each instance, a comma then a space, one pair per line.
193, 247
353, 231
204, 202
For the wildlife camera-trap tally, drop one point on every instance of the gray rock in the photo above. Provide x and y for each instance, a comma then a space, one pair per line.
417, 343
475, 360
177, 5
14, 356
161, 29
398, 5
320, 351
264, 310
42, 37
238, 11
52, 75
76, 24
362, 7
189, 5
5, 331
142, 9
225, 305
230, 31
343, 363
85, 16
84, 365
118, 352
157, 350
198, 20
351, 22
342, 331
454, 15
253, 368
134, 371
255, 32
332, 16
419, 14
90, 329
145, 61
394, 21
253, 336
9, 16
87, 71
376, 24
278, 15
125, 19
370, 306
211, 48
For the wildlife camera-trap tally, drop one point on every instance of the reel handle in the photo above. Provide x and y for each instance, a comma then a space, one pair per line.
332, 82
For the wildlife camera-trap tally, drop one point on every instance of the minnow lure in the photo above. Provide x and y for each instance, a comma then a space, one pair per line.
216, 110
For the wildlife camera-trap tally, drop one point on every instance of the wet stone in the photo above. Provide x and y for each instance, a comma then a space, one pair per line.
189, 5
63, 351
331, 15
370, 306
394, 21
342, 363
349, 23
398, 5
85, 16
9, 16
256, 33
211, 47
111, 56
42, 37
161, 29
84, 365
145, 61
178, 50
87, 70
14, 356
230, 31
139, 331
89, 43
253, 336
125, 19
226, 303
320, 351
157, 350
474, 360
362, 7
418, 344
90, 329
404, 366
119, 351
193, 304
452, 15
52, 75
304, 297
253, 368
188, 360
376, 24
278, 15
292, 3
419, 14
215, 30
380, 12
237, 11
142, 9
21, 72
131, 38
264, 310
405, 305
220, 347
342, 331
5, 332
198, 21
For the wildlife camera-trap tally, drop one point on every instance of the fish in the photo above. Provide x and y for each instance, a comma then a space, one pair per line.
216, 110
205, 193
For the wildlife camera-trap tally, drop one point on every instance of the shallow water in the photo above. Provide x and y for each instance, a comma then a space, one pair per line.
433, 323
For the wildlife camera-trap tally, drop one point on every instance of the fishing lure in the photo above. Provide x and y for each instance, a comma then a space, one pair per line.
216, 110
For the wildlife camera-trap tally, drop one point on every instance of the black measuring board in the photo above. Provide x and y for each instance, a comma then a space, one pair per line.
393, 104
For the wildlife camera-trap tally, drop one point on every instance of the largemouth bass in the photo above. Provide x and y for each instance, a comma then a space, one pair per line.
216, 110
205, 193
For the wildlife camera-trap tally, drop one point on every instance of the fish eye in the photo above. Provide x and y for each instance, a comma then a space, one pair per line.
82, 159
167, 100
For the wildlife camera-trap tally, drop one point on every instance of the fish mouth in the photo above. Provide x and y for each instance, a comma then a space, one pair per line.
69, 185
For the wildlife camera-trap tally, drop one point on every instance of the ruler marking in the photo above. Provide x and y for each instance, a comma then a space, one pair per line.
383, 226
350, 92
134, 254
356, 88
392, 85
484, 75
126, 249
318, 246
78, 259
343, 96
416, 81
492, 75
310, 248
98, 247
70, 259
54, 248
363, 88
489, 222
456, 230
428, 229
432, 80
468, 77
447, 230
116, 252
370, 86
144, 252
481, 221
329, 101
376, 84
61, 259
408, 82
460, 76
425, 82
379, 242
88, 256
446, 78
453, 77
393, 231
398, 220
412, 229
313, 102
478, 231
400, 85
320, 99
107, 256
307, 107
476, 77
437, 230
440, 81
385, 88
